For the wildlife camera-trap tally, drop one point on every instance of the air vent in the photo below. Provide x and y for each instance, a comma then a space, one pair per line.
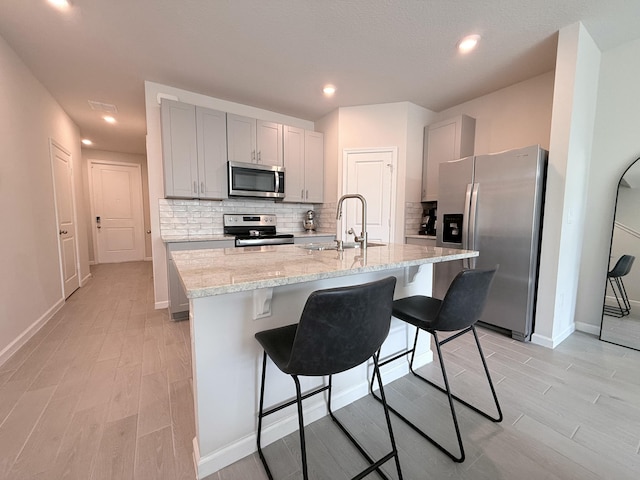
102, 107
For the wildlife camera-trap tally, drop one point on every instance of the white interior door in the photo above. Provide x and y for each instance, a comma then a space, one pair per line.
117, 212
370, 173
65, 213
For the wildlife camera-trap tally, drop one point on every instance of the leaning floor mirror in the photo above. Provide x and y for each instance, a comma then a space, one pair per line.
621, 310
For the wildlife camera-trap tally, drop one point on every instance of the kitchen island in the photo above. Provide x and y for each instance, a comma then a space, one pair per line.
236, 292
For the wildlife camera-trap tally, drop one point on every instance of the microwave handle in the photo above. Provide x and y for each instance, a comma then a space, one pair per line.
277, 182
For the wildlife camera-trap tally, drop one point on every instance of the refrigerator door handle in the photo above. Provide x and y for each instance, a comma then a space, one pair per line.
471, 231
465, 223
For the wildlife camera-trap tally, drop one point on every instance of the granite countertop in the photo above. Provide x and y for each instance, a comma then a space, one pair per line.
206, 238
218, 271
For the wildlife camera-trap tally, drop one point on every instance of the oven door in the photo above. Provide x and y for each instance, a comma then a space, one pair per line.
252, 180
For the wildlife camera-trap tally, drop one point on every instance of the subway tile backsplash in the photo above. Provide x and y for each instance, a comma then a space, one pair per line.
185, 218
179, 218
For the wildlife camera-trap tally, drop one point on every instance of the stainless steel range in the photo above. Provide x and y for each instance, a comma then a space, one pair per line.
253, 230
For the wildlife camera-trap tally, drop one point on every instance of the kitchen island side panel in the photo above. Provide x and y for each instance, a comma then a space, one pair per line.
227, 364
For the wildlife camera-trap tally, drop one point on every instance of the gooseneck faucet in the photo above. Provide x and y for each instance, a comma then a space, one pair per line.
362, 239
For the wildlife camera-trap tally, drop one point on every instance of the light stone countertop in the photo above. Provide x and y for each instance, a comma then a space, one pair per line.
226, 270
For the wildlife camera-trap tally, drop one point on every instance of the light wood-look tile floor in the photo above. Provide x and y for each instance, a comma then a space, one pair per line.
103, 391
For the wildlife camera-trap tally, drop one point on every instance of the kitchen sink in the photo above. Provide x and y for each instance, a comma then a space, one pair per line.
333, 246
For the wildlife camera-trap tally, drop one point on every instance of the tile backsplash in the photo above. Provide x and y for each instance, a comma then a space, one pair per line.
184, 218
179, 218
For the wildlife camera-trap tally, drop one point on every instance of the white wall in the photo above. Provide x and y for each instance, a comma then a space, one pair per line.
89, 154
388, 125
30, 286
154, 162
573, 119
513, 117
616, 144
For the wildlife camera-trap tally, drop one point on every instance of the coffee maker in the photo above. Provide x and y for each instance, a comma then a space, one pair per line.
428, 225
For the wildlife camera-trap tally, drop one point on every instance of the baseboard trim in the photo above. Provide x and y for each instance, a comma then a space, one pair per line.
24, 337
552, 343
588, 328
161, 305
85, 279
219, 459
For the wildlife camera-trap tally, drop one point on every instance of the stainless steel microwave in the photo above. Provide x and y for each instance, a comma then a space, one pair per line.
254, 180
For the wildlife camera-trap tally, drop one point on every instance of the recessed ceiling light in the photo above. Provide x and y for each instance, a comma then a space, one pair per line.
60, 4
468, 43
86, 141
109, 119
329, 90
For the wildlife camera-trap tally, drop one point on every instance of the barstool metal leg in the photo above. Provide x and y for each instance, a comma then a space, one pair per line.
260, 416
303, 446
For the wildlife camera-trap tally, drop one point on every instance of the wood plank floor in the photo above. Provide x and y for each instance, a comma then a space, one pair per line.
103, 391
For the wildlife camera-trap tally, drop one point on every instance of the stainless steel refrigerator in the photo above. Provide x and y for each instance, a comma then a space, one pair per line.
494, 204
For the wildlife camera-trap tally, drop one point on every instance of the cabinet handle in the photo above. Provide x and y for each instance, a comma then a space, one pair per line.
253, 156
202, 190
195, 187
307, 197
259, 156
302, 193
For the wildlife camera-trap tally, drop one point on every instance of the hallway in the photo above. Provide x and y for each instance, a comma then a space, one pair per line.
103, 390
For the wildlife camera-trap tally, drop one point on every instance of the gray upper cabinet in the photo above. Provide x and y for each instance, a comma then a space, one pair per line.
254, 141
304, 165
445, 141
194, 150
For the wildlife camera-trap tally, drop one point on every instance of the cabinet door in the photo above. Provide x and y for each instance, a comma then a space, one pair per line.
241, 139
211, 133
314, 167
269, 143
445, 141
179, 151
294, 148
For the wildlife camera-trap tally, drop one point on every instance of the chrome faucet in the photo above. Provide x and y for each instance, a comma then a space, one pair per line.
362, 239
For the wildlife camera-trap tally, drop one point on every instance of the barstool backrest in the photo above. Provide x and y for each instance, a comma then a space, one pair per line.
464, 301
622, 266
341, 327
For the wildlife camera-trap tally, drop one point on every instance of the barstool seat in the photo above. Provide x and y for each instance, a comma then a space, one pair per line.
458, 312
621, 268
339, 329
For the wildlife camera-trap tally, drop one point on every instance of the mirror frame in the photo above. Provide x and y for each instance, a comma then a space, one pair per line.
613, 226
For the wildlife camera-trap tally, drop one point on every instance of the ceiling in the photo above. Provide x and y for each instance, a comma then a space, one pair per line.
278, 54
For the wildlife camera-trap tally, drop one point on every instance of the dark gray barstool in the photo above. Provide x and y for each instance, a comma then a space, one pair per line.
458, 312
339, 329
621, 268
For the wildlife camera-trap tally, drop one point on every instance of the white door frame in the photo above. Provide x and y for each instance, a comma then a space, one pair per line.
52, 144
94, 233
394, 169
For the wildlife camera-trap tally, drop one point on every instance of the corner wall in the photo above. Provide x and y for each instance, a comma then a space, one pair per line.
616, 144
31, 286
572, 127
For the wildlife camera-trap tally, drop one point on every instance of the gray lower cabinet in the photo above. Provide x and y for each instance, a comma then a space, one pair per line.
178, 301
